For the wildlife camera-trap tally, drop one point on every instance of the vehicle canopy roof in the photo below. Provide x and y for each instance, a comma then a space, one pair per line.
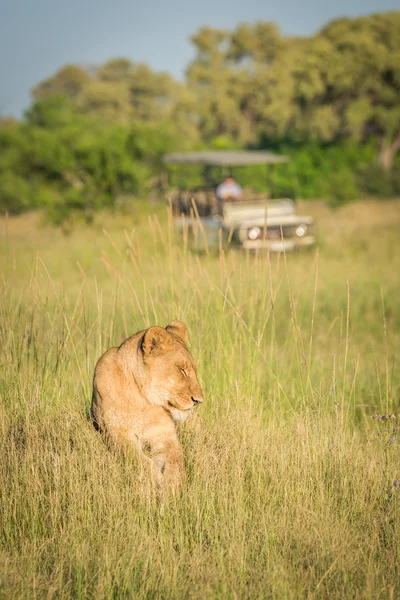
225, 158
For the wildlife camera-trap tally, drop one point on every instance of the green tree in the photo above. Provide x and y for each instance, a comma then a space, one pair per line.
348, 82
243, 81
218, 108
342, 83
69, 81
119, 91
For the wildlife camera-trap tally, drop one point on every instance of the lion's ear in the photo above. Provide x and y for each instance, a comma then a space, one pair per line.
179, 330
155, 341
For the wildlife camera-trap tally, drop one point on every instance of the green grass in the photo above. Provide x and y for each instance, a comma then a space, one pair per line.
289, 491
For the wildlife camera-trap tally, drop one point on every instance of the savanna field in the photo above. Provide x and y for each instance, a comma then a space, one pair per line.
291, 484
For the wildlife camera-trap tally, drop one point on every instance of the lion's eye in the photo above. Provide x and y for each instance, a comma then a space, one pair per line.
183, 371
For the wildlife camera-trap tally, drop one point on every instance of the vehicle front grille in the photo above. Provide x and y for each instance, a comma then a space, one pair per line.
273, 232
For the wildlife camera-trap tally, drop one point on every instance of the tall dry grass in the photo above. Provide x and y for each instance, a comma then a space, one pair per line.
290, 489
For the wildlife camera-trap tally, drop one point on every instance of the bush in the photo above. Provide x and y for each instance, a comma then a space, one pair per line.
15, 194
74, 163
375, 181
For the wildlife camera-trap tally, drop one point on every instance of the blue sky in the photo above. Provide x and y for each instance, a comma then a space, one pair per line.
39, 36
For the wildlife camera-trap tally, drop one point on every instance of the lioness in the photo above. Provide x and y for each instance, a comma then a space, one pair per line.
140, 389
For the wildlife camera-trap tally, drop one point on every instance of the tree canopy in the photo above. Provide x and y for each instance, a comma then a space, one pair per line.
342, 83
330, 100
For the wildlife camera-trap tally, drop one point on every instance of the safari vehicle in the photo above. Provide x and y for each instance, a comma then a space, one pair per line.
256, 221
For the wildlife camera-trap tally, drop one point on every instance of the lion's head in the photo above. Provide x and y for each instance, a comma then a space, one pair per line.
170, 370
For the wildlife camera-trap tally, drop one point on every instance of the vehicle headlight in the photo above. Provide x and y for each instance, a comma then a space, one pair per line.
254, 232
301, 230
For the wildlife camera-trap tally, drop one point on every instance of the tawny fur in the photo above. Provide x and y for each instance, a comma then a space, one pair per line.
140, 389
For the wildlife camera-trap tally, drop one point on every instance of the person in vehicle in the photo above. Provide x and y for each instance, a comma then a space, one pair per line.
228, 190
